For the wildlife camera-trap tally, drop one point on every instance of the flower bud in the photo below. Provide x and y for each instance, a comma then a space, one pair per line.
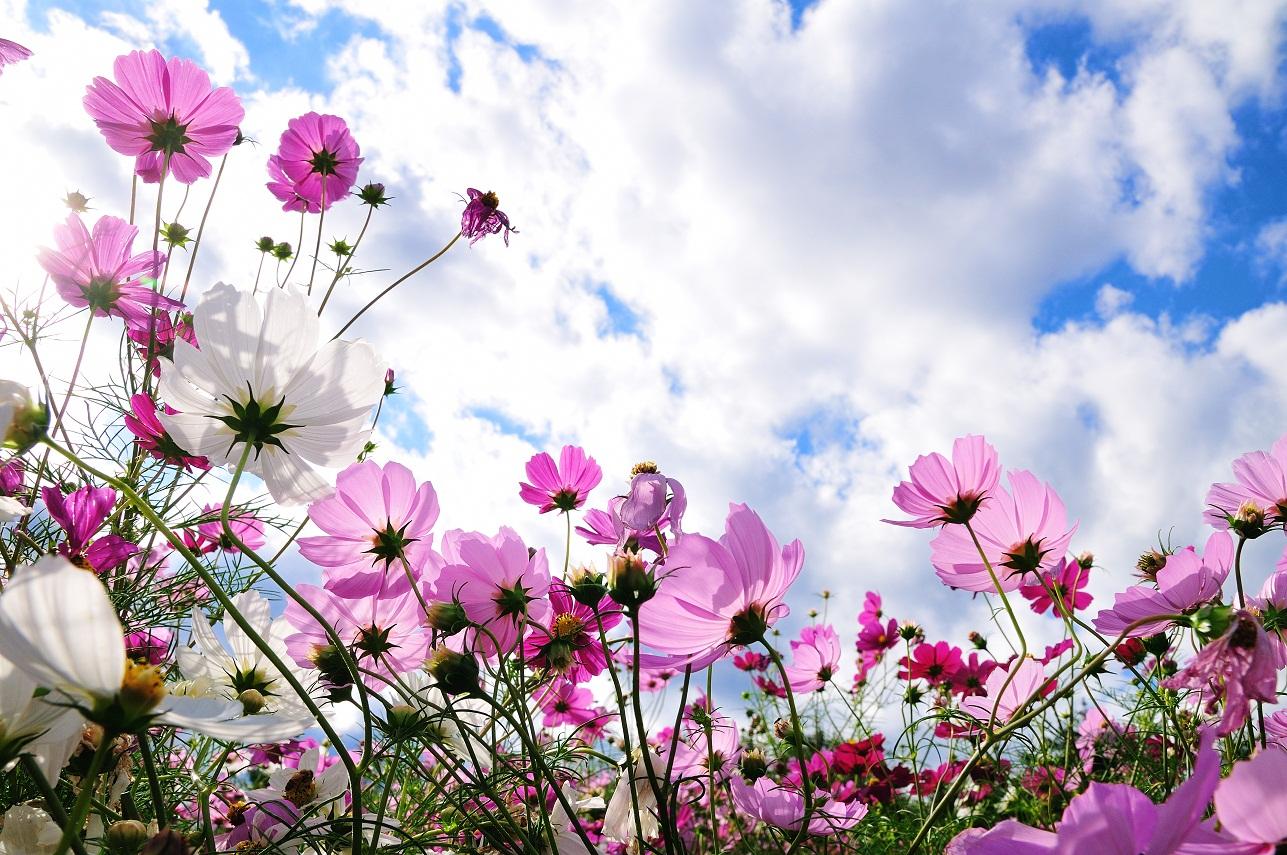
22, 421
265, 244
282, 251
1157, 645
126, 836
753, 765
175, 234
403, 722
1086, 560
330, 663
629, 581
373, 194
910, 631
1130, 652
447, 618
252, 701
1148, 564
783, 729
979, 642
587, 585
167, 842
76, 201
1249, 521
389, 388
456, 673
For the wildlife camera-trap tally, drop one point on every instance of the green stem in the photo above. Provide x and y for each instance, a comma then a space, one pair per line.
404, 277
76, 821
153, 782
797, 741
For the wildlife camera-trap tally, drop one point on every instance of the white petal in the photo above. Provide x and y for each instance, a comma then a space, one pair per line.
12, 509
52, 750
199, 435
343, 381
330, 445
58, 625
258, 614
287, 339
291, 480
188, 383
227, 322
223, 720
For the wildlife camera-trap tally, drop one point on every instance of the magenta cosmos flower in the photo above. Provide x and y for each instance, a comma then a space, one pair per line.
152, 437
1068, 580
378, 518
81, 514
1185, 581
155, 338
99, 272
384, 631
161, 111
716, 595
1022, 530
1257, 498
783, 807
498, 584
567, 641
565, 486
12, 53
566, 703
482, 217
208, 536
814, 658
1236, 668
316, 163
948, 492
934, 663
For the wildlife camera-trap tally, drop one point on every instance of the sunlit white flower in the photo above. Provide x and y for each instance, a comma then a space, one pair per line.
454, 722
28, 830
12, 509
57, 624
238, 670
566, 839
31, 725
263, 378
22, 421
619, 818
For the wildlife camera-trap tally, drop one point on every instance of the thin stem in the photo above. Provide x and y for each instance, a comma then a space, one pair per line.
404, 277
80, 357
192, 261
797, 742
341, 267
317, 248
153, 782
76, 821
298, 242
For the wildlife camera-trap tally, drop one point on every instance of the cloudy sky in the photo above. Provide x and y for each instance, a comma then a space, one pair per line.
780, 249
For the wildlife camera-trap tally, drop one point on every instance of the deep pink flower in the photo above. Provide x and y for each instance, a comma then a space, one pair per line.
208, 536
13, 477
934, 663
151, 646
653, 500
152, 437
749, 660
567, 642
565, 486
11, 53
876, 637
871, 609
378, 517
318, 160
1238, 667
999, 702
1185, 581
482, 217
971, 678
1258, 497
567, 703
99, 272
497, 582
783, 807
81, 514
156, 334
1022, 530
160, 109
717, 595
941, 492
814, 658
1068, 579
769, 686
605, 528
384, 632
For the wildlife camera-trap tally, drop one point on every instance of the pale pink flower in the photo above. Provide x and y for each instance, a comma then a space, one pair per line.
1185, 581
318, 160
158, 111
498, 584
1258, 497
948, 492
208, 535
783, 807
999, 703
567, 703
564, 486
1251, 803
814, 658
11, 53
1022, 530
1236, 668
653, 501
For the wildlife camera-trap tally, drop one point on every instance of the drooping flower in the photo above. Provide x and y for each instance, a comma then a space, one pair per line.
783, 807
58, 625
1185, 581
262, 385
814, 658
941, 492
1236, 668
151, 436
100, 271
1067, 580
208, 535
1022, 530
1258, 497
81, 514
716, 595
482, 217
999, 701
605, 528
497, 583
12, 53
567, 703
379, 518
164, 113
564, 486
567, 641
654, 500
619, 817
318, 160
934, 663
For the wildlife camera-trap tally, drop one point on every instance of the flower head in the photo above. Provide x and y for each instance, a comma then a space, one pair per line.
263, 385
567, 703
1185, 581
151, 436
948, 492
100, 272
1004, 696
81, 514
934, 663
316, 163
1067, 581
1257, 498
497, 582
783, 806
565, 486
164, 113
482, 217
11, 53
567, 641
1236, 668
814, 658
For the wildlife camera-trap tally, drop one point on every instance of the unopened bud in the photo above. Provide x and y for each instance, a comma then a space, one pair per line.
265, 244
126, 836
979, 642
23, 422
447, 618
167, 842
753, 765
252, 701
77, 201
1086, 560
629, 582
456, 673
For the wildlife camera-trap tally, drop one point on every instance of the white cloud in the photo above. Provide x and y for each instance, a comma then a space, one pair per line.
1110, 300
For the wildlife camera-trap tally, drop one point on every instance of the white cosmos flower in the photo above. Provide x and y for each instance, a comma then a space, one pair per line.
28, 830
58, 625
14, 398
619, 818
566, 839
31, 725
446, 715
307, 786
238, 666
12, 509
263, 377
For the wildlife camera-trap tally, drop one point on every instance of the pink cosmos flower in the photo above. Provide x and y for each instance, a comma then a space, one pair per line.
1237, 667
997, 704
1022, 530
482, 217
13, 477
605, 528
567, 642
653, 500
378, 517
693, 755
715, 595
565, 486
150, 646
11, 53
971, 678
769, 686
783, 807
1257, 499
876, 637
934, 663
567, 703
152, 437
208, 536
1068, 579
384, 631
497, 583
99, 272
871, 608
941, 492
159, 111
318, 158
1096, 733
1185, 581
81, 514
749, 660
156, 335
814, 658
1251, 803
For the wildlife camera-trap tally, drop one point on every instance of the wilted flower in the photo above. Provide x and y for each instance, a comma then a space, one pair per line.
11, 53
1236, 668
482, 217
